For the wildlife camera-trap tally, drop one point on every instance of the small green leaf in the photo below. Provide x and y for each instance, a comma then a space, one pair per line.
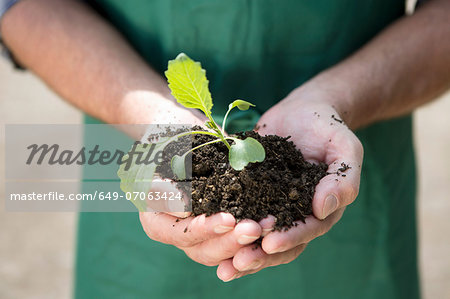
245, 151
188, 83
241, 104
178, 166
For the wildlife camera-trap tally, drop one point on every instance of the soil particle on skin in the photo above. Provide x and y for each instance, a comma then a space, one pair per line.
337, 119
340, 171
282, 185
257, 127
344, 167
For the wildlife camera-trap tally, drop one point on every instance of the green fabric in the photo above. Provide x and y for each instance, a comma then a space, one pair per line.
260, 51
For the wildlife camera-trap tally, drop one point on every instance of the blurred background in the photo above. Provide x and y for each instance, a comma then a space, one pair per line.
37, 250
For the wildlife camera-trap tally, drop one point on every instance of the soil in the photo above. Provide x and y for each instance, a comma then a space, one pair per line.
282, 185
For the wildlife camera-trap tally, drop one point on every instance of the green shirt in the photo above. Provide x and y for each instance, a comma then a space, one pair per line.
260, 51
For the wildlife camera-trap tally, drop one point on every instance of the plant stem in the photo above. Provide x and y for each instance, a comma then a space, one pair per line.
225, 121
195, 132
191, 133
216, 128
199, 146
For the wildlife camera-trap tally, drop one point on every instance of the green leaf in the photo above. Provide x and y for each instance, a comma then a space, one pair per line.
245, 151
188, 83
139, 177
178, 166
241, 104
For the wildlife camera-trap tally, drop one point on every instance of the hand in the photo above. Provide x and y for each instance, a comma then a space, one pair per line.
316, 129
206, 240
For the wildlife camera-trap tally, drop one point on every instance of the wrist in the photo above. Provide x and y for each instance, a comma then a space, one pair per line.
140, 107
145, 107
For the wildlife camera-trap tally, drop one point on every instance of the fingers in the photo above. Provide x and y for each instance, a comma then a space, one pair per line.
280, 241
267, 225
225, 271
212, 251
341, 186
278, 247
249, 260
187, 232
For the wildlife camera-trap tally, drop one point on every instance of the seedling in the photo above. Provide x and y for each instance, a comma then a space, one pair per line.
189, 86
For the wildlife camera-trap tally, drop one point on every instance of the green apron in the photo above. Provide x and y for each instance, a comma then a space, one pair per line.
260, 51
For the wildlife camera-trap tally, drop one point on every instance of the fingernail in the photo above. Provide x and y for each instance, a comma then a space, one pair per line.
244, 239
330, 205
276, 250
233, 277
221, 229
180, 214
266, 231
253, 266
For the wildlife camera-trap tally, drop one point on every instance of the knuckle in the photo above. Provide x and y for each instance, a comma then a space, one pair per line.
185, 242
147, 231
145, 225
154, 234
229, 248
321, 230
199, 225
152, 231
359, 149
356, 146
353, 191
210, 263
294, 253
350, 192
201, 258
289, 257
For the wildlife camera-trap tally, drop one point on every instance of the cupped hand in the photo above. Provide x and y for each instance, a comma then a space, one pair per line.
206, 240
318, 130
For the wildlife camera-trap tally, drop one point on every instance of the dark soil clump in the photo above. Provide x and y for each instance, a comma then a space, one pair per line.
282, 185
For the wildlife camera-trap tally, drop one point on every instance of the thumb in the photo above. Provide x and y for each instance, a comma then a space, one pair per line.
341, 186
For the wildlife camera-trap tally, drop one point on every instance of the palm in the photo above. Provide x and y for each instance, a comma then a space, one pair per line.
316, 129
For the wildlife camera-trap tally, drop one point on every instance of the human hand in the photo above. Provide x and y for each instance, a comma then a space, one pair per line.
316, 129
206, 240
